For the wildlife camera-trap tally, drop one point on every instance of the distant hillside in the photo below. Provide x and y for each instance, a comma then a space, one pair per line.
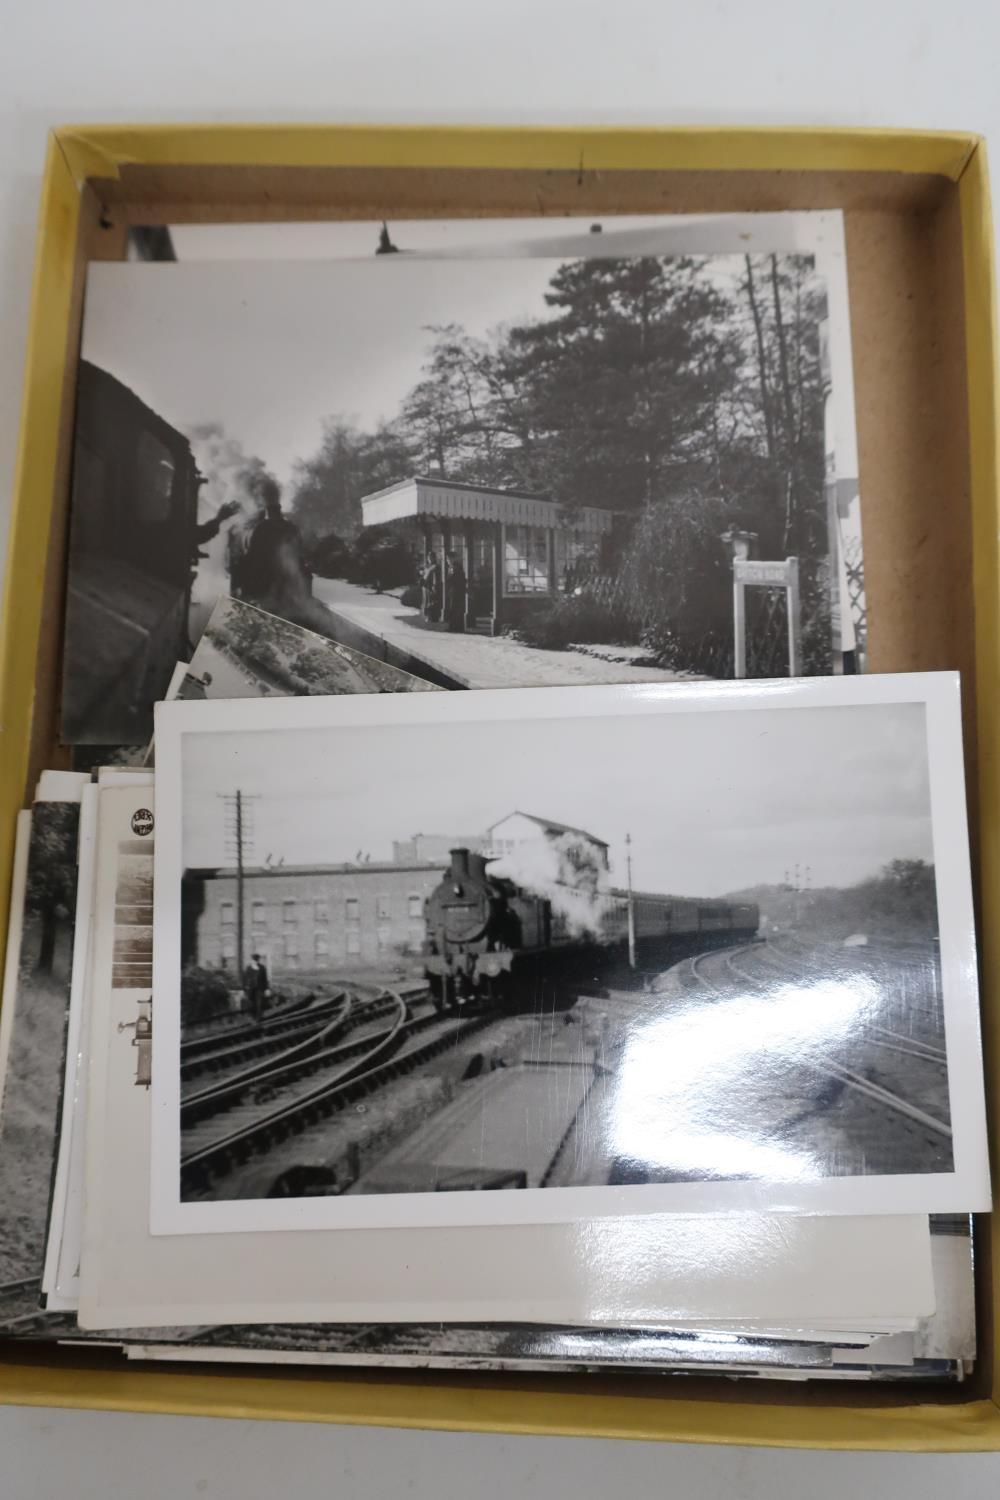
897, 905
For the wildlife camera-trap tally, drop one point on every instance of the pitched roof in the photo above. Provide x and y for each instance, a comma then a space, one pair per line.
550, 825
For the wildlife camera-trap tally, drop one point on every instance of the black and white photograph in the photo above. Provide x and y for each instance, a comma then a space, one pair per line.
31, 1086
488, 473
595, 942
247, 653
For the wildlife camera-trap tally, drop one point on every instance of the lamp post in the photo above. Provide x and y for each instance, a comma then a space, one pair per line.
739, 544
630, 902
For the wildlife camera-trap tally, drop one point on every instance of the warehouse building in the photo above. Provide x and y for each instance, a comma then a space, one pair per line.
308, 918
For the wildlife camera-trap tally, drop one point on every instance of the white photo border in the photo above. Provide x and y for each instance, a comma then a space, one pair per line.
963, 1190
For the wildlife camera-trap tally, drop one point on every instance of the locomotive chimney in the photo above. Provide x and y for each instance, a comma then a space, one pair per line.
459, 864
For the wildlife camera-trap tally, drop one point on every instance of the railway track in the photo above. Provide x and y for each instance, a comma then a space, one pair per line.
858, 1082
21, 1323
18, 1288
371, 1025
255, 1043
289, 1063
297, 1103
259, 1043
234, 1028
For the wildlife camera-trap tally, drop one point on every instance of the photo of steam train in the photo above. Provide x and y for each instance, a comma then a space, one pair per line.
134, 554
491, 942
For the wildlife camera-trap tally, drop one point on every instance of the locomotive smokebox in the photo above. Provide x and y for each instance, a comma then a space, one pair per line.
459, 864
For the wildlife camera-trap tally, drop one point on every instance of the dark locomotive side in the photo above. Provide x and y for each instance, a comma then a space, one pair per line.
489, 941
132, 557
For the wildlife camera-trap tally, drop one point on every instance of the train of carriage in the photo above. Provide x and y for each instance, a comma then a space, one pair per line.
490, 941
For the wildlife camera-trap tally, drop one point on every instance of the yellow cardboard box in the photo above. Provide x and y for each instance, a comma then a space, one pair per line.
920, 251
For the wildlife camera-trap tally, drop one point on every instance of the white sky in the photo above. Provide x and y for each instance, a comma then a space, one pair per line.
270, 349
842, 790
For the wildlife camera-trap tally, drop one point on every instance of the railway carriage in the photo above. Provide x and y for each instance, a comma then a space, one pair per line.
132, 558
489, 940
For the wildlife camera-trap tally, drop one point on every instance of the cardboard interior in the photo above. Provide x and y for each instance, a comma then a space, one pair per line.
904, 247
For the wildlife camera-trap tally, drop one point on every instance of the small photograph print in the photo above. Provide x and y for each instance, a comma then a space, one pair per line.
486, 472
247, 653
32, 1088
642, 951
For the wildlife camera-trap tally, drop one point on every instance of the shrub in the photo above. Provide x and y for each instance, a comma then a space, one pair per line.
204, 994
574, 619
382, 561
331, 557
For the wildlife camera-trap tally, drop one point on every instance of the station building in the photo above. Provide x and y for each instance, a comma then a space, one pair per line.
518, 550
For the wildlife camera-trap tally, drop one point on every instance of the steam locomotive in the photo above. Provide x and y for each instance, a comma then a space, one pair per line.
134, 515
134, 539
489, 941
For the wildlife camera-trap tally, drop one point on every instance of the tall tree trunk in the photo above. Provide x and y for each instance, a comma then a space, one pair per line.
765, 391
787, 407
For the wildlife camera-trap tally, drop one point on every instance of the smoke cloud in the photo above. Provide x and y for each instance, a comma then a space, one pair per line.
569, 872
231, 474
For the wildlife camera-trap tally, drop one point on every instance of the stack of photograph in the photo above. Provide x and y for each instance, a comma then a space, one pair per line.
491, 917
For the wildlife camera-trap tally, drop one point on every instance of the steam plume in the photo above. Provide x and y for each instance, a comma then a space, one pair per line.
568, 871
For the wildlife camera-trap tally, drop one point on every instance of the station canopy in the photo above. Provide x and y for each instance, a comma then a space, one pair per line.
446, 500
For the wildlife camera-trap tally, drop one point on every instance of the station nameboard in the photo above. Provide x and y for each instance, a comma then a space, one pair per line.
779, 574
758, 573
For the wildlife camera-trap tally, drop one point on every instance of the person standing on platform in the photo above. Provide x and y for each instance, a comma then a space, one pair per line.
455, 586
430, 589
256, 986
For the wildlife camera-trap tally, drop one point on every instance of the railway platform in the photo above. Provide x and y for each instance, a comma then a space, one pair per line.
381, 626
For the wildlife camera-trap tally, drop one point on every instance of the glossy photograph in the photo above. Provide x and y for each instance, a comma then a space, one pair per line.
581, 952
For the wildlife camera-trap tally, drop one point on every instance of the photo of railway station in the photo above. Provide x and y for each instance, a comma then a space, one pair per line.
730, 980
486, 473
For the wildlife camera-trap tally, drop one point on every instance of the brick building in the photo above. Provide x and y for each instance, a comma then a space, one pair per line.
308, 917
311, 918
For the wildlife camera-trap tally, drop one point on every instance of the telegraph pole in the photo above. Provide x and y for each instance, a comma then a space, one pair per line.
239, 885
239, 841
631, 903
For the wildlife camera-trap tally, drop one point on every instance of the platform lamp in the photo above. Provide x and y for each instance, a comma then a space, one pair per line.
740, 543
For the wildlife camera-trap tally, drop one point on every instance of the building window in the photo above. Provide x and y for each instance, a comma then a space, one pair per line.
321, 912
383, 936
354, 941
352, 909
228, 947
415, 906
291, 945
289, 914
227, 913
321, 944
526, 560
258, 914
577, 557
416, 941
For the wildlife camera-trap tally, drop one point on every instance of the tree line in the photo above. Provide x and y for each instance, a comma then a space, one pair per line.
685, 398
